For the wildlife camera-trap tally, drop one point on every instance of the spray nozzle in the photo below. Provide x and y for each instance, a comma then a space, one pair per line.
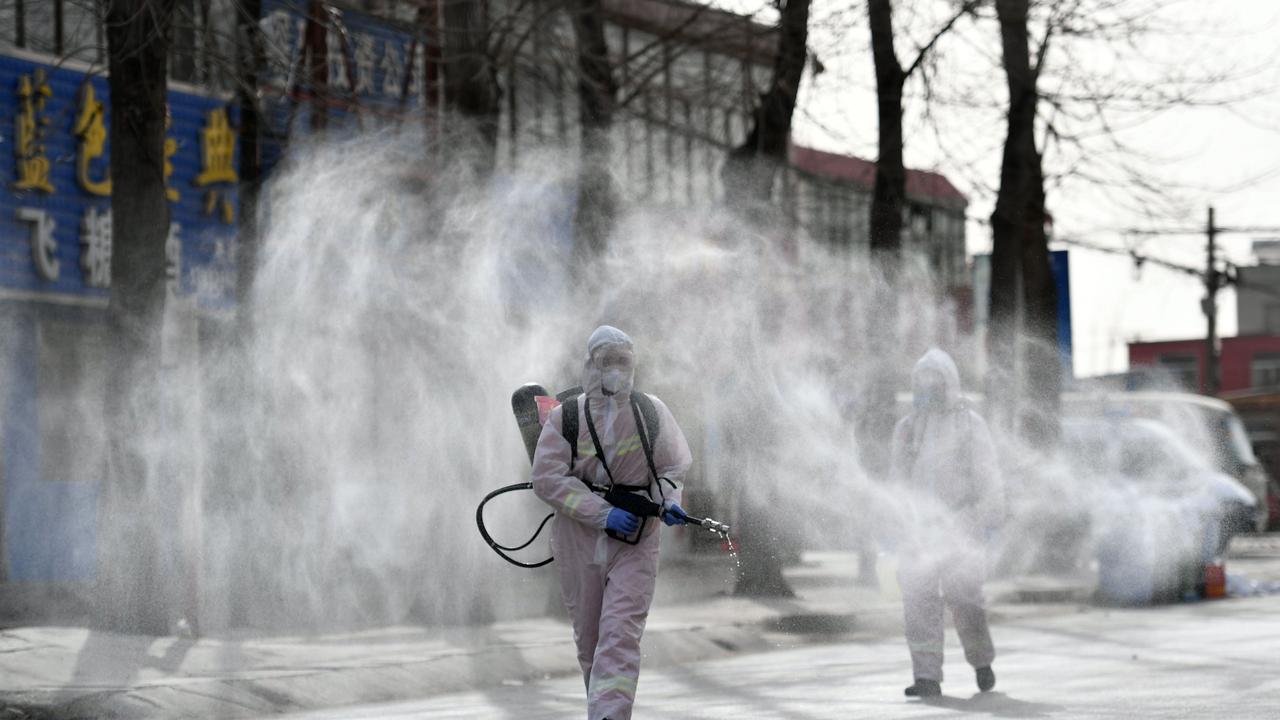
718, 528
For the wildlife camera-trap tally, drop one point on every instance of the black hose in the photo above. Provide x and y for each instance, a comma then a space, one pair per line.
502, 550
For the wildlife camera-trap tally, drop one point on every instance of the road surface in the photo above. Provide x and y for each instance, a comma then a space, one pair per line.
1208, 659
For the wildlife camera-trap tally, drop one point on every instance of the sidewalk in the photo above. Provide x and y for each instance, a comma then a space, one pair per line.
49, 672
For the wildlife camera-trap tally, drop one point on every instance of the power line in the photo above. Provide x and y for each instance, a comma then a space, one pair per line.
1215, 275
1213, 279
1230, 274
1139, 259
1243, 230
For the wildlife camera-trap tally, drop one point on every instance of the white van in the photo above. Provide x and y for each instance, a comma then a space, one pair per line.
1208, 425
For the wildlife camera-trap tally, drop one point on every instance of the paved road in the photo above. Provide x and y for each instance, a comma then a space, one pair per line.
1214, 659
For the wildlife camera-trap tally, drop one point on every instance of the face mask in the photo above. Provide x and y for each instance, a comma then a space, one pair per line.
612, 381
930, 396
615, 364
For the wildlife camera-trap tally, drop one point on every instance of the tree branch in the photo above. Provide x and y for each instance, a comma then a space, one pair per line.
923, 52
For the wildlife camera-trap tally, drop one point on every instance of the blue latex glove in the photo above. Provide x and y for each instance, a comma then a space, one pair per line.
673, 514
621, 521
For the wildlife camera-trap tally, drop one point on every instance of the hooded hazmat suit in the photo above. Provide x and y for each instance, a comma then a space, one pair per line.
944, 462
607, 585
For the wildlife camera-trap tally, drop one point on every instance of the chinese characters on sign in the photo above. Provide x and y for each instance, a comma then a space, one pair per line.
95, 241
42, 243
218, 151
55, 213
91, 129
29, 130
375, 63
170, 149
173, 259
337, 68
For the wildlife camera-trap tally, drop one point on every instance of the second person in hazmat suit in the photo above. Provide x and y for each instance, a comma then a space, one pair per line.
607, 583
944, 463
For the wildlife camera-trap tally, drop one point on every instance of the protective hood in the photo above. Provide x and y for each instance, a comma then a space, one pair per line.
594, 375
940, 363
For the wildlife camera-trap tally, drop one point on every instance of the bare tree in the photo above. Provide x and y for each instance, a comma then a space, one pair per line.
748, 174
250, 58
891, 174
1020, 272
1070, 122
750, 168
470, 80
597, 101
132, 594
888, 201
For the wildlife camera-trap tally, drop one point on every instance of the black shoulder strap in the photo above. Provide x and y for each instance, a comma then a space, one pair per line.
569, 428
648, 411
912, 449
591, 427
968, 416
647, 427
569, 420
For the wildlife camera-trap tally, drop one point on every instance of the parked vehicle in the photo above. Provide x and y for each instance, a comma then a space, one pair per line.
1158, 512
1205, 425
1259, 408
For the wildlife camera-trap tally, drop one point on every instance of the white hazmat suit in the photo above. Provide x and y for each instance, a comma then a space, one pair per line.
945, 462
607, 585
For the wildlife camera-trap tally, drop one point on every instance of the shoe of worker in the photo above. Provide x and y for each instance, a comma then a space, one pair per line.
924, 688
986, 678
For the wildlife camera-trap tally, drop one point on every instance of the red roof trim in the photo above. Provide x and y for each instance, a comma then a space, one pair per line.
847, 168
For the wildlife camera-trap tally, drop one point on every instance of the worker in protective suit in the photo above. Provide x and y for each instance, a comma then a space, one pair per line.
944, 462
607, 583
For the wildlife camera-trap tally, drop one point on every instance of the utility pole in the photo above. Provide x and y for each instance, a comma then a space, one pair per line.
1211, 283
1213, 278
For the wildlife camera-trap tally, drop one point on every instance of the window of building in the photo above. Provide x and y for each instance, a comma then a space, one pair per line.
73, 30
1184, 369
41, 26
1272, 317
8, 23
1264, 370
82, 33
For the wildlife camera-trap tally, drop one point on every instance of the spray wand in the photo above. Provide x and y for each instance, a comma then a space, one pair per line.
641, 506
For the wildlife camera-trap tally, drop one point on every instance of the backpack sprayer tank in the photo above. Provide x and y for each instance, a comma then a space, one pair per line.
524, 404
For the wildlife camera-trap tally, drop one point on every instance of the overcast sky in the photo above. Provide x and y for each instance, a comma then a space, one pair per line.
1225, 156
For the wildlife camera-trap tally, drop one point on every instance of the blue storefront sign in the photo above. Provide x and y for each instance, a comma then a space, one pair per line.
55, 206
1060, 264
1060, 267
375, 73
55, 276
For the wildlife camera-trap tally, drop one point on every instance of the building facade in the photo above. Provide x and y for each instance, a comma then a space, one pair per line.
831, 197
1248, 362
688, 76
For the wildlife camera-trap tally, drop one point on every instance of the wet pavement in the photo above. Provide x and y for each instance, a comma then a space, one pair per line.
1056, 660
833, 650
1209, 659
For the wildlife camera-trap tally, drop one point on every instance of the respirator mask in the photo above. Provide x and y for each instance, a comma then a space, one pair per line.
930, 393
617, 368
